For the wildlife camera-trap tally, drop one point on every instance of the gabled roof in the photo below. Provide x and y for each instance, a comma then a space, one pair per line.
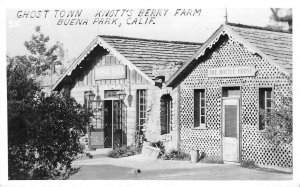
145, 53
275, 46
142, 55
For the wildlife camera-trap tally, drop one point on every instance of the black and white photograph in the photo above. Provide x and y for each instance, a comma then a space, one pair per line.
154, 94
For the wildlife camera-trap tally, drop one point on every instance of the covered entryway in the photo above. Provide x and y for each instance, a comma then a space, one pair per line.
231, 124
108, 123
114, 123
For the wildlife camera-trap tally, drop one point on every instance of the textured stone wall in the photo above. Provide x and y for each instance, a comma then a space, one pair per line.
254, 145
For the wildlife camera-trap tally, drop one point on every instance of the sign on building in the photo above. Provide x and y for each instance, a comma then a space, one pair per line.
245, 71
110, 72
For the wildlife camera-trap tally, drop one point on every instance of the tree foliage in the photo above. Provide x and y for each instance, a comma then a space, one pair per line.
43, 132
41, 57
282, 15
279, 126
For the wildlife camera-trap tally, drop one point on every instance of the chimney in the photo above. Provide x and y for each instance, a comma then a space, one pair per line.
52, 68
225, 16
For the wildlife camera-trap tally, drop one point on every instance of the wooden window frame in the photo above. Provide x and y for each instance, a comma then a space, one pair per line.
140, 126
87, 98
107, 94
265, 104
169, 115
201, 125
169, 106
231, 86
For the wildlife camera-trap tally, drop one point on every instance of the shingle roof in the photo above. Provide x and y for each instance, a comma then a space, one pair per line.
149, 55
275, 44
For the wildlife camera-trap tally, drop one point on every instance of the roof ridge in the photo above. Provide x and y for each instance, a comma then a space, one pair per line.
258, 28
154, 40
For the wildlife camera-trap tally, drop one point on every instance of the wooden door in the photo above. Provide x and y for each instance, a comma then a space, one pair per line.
108, 133
96, 123
119, 123
230, 131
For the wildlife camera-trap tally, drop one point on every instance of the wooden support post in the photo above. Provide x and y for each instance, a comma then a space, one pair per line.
178, 118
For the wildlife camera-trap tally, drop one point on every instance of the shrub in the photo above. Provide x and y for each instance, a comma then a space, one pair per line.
123, 151
139, 138
172, 155
176, 155
160, 145
279, 126
212, 159
248, 164
43, 132
84, 155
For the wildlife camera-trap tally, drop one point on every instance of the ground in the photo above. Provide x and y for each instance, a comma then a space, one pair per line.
102, 167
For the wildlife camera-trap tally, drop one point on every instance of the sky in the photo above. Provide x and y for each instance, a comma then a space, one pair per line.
177, 25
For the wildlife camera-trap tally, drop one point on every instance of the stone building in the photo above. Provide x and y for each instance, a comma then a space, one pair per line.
112, 67
220, 91
188, 95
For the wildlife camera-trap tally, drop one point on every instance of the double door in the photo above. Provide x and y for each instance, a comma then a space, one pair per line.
108, 124
114, 123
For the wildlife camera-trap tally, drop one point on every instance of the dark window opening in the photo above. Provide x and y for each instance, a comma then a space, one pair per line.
231, 91
166, 113
265, 106
88, 96
110, 93
199, 108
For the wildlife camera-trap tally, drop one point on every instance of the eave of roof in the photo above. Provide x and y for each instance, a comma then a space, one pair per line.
99, 41
211, 40
148, 54
148, 40
137, 57
258, 28
274, 44
76, 62
222, 30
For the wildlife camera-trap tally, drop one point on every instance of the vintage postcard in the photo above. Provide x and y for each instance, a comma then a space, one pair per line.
149, 94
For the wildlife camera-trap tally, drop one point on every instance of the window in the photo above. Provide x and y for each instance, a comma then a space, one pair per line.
110, 60
265, 106
165, 113
231, 91
88, 96
141, 109
199, 108
111, 93
97, 119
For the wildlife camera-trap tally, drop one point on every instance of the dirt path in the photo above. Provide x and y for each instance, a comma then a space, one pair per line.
136, 167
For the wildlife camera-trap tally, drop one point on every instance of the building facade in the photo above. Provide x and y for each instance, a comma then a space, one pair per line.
135, 68
191, 96
221, 90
